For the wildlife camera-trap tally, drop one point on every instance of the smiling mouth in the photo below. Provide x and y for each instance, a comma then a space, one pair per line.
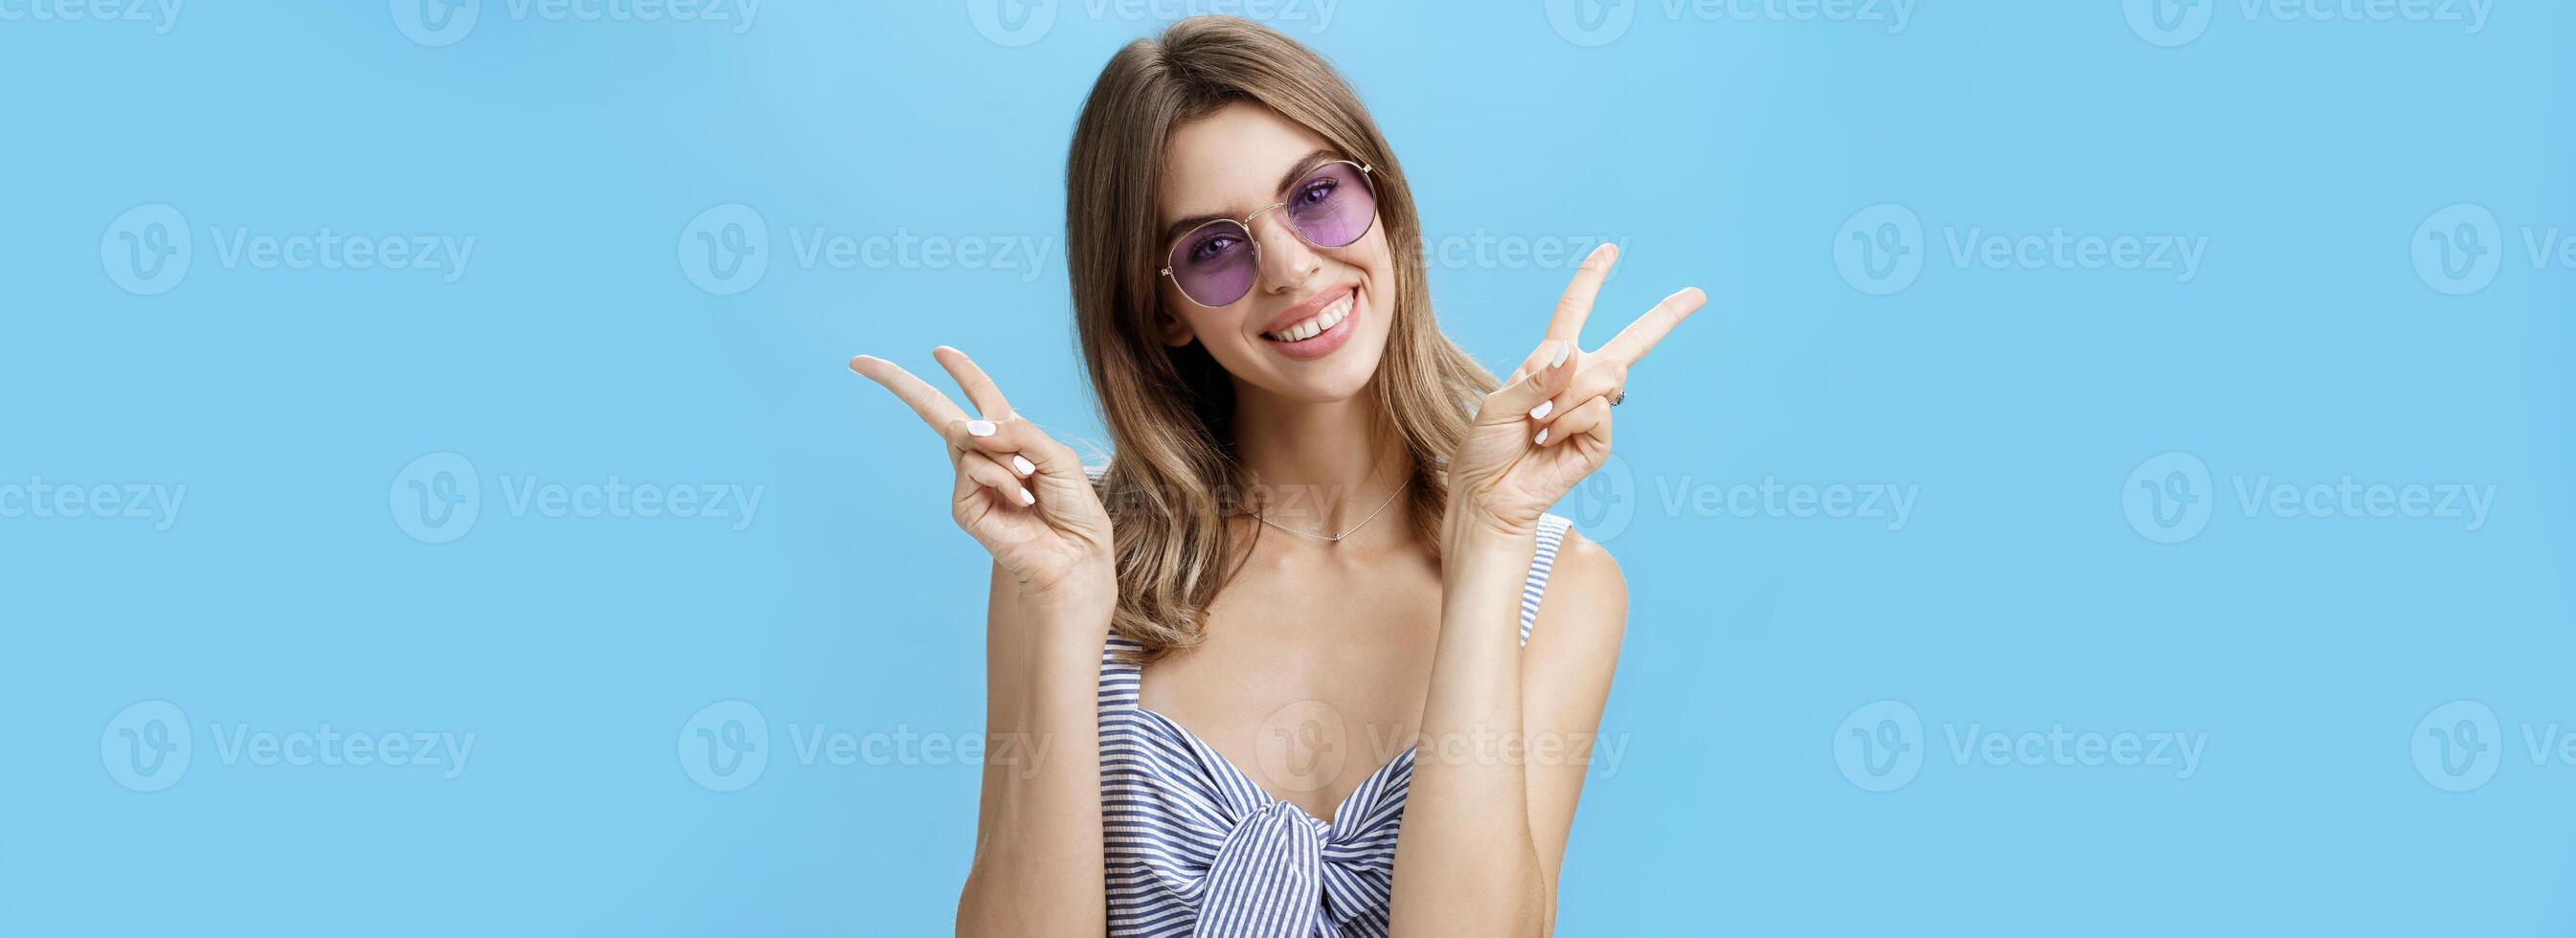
1315, 325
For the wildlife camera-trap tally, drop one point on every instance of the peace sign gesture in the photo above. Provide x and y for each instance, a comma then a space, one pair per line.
1020, 493
1548, 426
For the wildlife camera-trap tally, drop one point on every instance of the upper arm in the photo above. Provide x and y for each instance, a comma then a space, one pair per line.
1565, 682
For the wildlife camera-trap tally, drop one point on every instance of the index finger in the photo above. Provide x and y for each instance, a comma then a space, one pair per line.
1576, 304
1634, 342
933, 407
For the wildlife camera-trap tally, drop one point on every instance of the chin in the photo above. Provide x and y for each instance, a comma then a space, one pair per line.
1344, 381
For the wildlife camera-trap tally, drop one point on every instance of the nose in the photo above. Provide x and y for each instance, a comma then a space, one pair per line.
1287, 261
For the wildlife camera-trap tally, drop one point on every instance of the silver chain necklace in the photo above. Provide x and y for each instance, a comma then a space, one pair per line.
1354, 529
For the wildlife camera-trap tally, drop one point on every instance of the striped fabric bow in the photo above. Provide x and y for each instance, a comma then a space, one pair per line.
1187, 828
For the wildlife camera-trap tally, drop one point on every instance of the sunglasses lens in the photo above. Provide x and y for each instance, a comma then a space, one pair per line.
1333, 206
1213, 264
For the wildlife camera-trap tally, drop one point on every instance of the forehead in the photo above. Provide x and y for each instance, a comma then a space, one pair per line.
1229, 162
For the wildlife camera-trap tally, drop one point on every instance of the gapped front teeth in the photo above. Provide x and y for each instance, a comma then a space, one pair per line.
1330, 317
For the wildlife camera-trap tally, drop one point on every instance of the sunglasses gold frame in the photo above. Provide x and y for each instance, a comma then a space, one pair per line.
1367, 178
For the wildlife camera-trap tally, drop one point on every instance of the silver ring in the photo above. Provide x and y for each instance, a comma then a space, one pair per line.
1619, 398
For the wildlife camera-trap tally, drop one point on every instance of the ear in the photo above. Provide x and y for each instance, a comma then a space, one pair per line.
1176, 330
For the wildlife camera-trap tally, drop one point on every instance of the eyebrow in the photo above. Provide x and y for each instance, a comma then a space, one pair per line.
1305, 164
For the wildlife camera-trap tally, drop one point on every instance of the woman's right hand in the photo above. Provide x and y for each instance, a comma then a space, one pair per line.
1020, 493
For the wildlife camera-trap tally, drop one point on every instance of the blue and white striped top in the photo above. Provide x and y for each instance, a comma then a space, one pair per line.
1196, 848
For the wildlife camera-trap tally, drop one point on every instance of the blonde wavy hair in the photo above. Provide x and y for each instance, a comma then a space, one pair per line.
1174, 478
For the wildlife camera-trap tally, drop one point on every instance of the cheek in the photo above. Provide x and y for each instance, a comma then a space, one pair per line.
1377, 261
1211, 328
1378, 266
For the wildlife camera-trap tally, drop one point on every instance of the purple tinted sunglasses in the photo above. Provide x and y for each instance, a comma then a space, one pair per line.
1215, 263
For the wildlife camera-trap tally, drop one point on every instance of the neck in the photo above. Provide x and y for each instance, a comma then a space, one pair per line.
1321, 467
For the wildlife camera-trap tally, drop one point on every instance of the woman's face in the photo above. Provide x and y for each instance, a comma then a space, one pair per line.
1232, 163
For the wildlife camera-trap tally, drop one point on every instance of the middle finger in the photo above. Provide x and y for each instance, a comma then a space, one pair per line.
1634, 342
934, 408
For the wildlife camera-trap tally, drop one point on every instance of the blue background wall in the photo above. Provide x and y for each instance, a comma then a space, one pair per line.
2087, 441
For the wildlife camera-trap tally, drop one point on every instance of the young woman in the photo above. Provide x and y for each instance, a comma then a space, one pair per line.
1309, 655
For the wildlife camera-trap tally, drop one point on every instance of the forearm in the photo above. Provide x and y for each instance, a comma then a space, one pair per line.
1038, 858
1466, 862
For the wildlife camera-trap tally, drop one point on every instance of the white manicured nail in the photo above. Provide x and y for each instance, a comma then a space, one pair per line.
979, 428
1563, 349
1026, 498
1023, 464
1540, 412
1542, 438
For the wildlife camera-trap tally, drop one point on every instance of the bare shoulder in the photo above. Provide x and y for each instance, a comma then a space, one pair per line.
1586, 570
1587, 593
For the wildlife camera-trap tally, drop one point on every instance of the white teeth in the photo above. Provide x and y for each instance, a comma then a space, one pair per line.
1330, 316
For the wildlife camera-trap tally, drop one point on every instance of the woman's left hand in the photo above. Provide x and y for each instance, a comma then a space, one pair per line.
1548, 426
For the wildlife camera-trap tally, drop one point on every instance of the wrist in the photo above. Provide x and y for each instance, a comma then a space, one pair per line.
1468, 528
1079, 585
1076, 608
1473, 550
